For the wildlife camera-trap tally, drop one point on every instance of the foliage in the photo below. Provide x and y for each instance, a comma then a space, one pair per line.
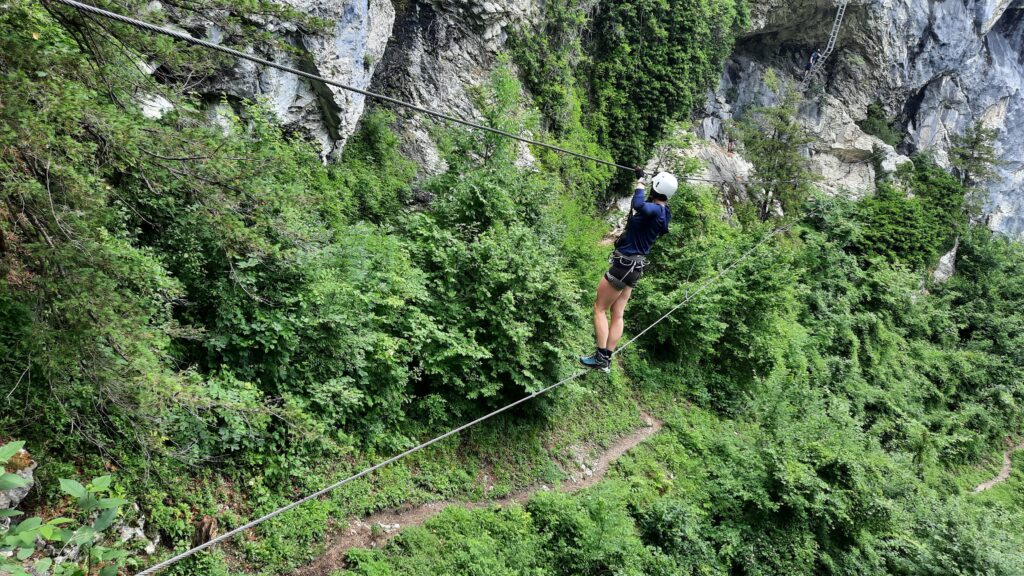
97, 510
652, 63
973, 154
377, 175
915, 219
975, 160
620, 73
878, 123
773, 493
505, 303
230, 322
838, 401
774, 140
548, 57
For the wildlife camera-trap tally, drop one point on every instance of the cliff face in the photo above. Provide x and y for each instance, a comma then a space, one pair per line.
429, 53
935, 66
438, 52
348, 51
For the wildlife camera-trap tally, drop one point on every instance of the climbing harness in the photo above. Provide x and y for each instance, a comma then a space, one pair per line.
837, 25
631, 261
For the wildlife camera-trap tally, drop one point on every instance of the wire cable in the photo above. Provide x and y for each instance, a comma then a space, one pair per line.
142, 25
175, 559
721, 274
689, 297
310, 76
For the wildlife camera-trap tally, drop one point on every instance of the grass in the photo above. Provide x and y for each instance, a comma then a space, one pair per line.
506, 454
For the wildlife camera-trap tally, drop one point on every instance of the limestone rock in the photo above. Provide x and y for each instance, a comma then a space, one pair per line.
347, 52
133, 533
22, 465
937, 66
439, 52
947, 265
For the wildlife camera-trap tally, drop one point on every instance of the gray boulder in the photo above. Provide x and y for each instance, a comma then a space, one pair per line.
22, 465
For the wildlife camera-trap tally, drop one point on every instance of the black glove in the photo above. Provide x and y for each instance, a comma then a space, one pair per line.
639, 171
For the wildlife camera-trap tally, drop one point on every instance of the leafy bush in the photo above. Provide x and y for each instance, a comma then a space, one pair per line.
877, 123
652, 62
916, 219
101, 554
504, 301
640, 64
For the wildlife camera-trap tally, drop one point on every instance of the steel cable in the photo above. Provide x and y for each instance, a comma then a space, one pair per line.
142, 25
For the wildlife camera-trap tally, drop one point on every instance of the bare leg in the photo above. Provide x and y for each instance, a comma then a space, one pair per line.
618, 311
606, 296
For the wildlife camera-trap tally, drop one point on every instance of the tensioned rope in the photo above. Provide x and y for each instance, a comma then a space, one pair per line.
689, 297
416, 108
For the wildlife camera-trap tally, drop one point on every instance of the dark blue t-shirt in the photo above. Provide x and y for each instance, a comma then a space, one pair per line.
649, 222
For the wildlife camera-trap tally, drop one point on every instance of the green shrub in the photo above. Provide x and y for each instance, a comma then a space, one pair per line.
96, 509
915, 219
652, 62
877, 123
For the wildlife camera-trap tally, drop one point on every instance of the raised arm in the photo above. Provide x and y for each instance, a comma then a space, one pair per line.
640, 204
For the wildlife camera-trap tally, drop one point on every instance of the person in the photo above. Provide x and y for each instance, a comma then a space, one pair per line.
815, 56
648, 220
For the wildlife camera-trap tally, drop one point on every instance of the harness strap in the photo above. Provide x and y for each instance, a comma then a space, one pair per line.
633, 262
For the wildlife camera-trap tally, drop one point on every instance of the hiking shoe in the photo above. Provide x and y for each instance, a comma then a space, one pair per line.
597, 361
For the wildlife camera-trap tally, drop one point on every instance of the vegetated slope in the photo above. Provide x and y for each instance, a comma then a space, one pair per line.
224, 322
837, 402
380, 527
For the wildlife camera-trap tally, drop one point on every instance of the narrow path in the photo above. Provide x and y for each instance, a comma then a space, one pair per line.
1004, 473
361, 533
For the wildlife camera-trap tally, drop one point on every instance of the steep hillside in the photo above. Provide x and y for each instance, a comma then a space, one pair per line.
931, 70
226, 287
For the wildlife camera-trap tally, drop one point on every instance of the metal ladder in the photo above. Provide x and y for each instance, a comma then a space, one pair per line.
837, 24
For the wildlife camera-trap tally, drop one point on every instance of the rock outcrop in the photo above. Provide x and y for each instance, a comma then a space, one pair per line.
947, 265
347, 51
22, 465
936, 66
439, 52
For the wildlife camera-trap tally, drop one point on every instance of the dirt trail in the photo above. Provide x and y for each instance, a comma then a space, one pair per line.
360, 532
1005, 472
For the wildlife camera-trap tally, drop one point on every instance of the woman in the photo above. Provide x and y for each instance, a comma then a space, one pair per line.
648, 220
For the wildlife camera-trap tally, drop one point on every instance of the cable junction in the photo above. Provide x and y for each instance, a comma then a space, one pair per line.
142, 25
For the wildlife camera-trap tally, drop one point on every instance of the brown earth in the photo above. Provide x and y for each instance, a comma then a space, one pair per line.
376, 529
1004, 473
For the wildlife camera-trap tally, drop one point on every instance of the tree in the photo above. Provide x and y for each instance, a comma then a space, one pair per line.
773, 140
974, 159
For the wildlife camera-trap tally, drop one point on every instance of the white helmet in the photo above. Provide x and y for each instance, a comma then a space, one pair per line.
665, 184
